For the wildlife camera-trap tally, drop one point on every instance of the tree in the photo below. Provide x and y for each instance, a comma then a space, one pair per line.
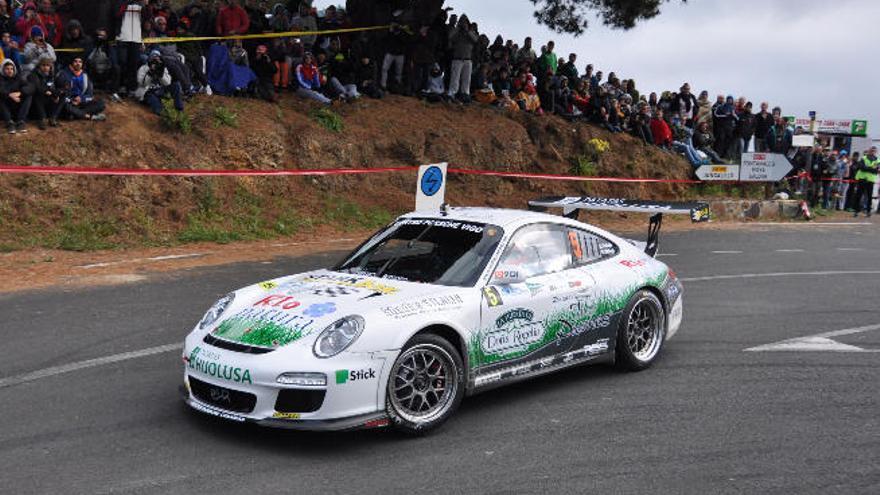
572, 16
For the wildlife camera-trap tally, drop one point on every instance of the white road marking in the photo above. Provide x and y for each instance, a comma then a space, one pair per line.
821, 342
850, 249
726, 252
138, 260
779, 274
666, 254
789, 250
89, 363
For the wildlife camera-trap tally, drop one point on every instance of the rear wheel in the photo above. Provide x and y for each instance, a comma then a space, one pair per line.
641, 332
426, 385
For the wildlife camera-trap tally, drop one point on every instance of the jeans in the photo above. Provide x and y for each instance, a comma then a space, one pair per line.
153, 98
460, 80
93, 107
8, 107
843, 194
689, 152
760, 145
311, 94
397, 61
827, 189
347, 90
862, 197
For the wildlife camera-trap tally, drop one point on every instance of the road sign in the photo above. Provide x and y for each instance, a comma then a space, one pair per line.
763, 167
431, 187
718, 172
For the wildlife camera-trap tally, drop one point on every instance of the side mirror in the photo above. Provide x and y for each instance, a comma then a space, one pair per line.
503, 276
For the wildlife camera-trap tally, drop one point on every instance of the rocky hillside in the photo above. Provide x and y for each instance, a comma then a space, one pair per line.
82, 213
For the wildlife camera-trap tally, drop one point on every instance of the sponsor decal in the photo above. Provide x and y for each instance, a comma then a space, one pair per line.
575, 245
447, 224
534, 289
264, 327
424, 305
320, 309
672, 291
267, 285
572, 284
355, 282
345, 376
507, 274
632, 263
589, 325
277, 301
493, 298
598, 348
334, 291
514, 331
205, 362
285, 415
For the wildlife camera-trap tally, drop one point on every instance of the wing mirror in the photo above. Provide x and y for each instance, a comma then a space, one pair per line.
504, 276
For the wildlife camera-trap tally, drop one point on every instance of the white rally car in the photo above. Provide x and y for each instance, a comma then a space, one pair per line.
432, 308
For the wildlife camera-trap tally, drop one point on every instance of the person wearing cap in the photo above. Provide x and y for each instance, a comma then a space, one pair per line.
47, 99
80, 102
866, 178
36, 49
154, 84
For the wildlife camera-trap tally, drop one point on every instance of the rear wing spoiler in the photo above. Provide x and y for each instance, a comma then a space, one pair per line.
571, 206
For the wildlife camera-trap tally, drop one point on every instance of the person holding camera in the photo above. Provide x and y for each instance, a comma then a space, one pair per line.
154, 83
47, 95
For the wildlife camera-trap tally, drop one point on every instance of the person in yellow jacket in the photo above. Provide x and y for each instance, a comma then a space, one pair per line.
866, 178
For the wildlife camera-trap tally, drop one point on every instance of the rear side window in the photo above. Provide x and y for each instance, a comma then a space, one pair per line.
587, 247
537, 250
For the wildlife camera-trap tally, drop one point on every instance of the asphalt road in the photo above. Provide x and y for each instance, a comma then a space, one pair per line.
709, 417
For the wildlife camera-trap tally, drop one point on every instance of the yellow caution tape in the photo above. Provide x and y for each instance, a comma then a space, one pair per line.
289, 34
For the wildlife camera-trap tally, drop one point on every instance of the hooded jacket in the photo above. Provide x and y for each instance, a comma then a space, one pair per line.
83, 43
463, 39
52, 26
14, 84
42, 83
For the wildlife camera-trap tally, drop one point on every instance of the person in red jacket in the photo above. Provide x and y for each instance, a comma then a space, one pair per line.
232, 19
52, 24
27, 22
661, 131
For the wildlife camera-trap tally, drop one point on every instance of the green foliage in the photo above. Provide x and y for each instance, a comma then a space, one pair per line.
225, 117
174, 120
573, 16
582, 165
328, 119
83, 234
348, 215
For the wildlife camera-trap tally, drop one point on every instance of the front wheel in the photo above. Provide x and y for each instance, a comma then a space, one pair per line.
425, 386
641, 332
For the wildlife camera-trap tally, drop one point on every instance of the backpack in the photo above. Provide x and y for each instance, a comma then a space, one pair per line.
99, 61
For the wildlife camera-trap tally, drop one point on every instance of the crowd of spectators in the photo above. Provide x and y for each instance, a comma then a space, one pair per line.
52, 65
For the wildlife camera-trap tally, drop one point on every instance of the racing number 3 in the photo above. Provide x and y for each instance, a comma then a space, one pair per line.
575, 245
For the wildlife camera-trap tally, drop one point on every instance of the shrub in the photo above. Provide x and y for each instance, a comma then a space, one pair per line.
174, 120
328, 119
225, 117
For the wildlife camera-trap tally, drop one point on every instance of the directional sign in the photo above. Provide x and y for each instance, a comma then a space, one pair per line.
718, 172
764, 167
431, 187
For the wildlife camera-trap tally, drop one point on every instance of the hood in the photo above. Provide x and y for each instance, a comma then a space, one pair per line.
284, 311
8, 62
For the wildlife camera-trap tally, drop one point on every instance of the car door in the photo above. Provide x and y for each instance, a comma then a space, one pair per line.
526, 316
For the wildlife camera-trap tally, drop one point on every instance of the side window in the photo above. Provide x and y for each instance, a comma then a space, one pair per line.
589, 248
536, 250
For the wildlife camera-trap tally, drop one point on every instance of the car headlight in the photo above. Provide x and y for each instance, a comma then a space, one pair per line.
216, 310
338, 336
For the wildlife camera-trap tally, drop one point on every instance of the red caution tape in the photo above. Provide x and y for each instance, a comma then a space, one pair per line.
18, 169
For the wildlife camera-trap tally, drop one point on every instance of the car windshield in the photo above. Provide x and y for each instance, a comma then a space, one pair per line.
428, 250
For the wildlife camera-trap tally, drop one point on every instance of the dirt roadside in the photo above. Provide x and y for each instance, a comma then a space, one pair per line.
67, 270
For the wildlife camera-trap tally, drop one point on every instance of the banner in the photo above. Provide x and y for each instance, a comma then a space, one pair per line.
846, 127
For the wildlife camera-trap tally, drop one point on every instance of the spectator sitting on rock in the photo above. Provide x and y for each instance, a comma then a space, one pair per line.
704, 141
484, 93
365, 78
265, 70
80, 100
36, 49
309, 80
434, 90
640, 123
527, 94
15, 98
47, 96
581, 96
154, 84
502, 82
106, 73
342, 77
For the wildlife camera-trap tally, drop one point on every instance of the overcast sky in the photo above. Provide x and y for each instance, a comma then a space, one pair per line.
804, 55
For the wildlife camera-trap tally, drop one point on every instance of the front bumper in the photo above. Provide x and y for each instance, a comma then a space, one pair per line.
244, 388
